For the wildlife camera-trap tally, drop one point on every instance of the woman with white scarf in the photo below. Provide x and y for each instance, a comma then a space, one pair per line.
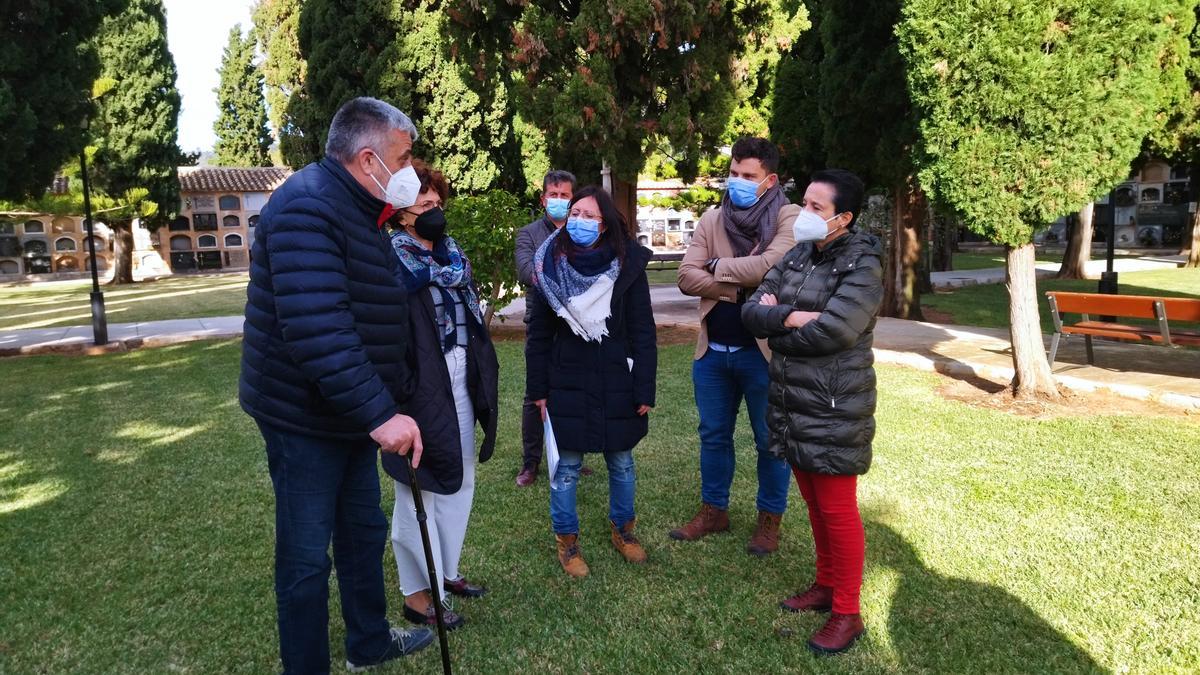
456, 373
591, 358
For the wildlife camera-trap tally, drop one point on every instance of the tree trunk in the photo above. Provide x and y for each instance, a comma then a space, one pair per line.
491, 303
1079, 246
1033, 376
1191, 243
908, 218
122, 252
945, 233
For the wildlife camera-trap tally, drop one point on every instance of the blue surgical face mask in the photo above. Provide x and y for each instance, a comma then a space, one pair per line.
583, 231
557, 208
742, 192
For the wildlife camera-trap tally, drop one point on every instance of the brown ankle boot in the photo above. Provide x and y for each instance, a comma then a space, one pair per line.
765, 540
626, 544
570, 556
710, 519
838, 634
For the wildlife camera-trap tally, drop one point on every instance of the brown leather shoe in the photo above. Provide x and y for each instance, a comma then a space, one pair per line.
838, 634
569, 555
627, 544
527, 476
765, 540
710, 519
817, 598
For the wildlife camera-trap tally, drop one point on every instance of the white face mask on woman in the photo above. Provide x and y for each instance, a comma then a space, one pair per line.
402, 188
810, 226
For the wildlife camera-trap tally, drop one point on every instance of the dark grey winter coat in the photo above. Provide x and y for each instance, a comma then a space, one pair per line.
821, 401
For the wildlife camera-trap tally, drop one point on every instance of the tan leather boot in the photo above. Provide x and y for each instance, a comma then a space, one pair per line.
569, 555
710, 519
765, 539
627, 544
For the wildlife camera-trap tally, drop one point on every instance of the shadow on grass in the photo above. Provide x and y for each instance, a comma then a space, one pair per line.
939, 623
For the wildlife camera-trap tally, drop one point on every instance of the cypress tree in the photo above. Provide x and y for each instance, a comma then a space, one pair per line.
241, 126
46, 74
136, 128
1028, 110
277, 26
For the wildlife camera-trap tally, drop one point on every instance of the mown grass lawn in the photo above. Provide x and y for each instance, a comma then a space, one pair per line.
67, 303
987, 304
136, 526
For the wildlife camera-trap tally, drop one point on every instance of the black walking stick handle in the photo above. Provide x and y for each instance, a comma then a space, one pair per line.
434, 590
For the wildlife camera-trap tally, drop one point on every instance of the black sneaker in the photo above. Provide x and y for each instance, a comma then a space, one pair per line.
404, 642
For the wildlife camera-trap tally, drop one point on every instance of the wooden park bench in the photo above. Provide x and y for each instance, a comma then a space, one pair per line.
1162, 310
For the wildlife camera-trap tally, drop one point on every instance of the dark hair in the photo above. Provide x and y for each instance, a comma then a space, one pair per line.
557, 176
752, 147
847, 190
616, 231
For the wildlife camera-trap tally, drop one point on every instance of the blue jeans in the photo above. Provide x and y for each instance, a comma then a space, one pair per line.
326, 490
721, 381
621, 485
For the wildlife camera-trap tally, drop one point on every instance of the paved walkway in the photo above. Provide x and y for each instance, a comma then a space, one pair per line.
1145, 372
995, 275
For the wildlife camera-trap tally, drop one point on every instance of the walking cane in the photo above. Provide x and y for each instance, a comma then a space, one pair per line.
434, 590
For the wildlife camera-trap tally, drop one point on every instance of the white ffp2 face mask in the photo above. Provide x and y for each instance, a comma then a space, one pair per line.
402, 188
810, 226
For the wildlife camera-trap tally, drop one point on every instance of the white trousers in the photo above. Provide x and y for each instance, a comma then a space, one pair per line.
446, 515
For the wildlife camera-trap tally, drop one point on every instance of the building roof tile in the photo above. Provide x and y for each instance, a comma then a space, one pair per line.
231, 179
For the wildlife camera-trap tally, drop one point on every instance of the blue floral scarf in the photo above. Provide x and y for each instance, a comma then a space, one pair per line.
445, 268
578, 289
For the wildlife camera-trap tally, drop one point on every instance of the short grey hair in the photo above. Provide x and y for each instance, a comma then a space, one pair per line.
364, 122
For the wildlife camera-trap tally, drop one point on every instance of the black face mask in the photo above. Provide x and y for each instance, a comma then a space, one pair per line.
431, 225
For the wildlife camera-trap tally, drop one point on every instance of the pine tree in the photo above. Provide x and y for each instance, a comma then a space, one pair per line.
137, 124
607, 81
1027, 111
241, 126
46, 75
277, 25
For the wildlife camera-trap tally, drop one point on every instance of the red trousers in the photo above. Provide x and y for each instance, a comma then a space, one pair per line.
838, 534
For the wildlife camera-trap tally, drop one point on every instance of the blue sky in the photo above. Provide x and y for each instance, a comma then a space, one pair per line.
196, 34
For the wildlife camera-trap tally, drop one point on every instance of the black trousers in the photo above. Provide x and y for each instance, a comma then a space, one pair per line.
531, 434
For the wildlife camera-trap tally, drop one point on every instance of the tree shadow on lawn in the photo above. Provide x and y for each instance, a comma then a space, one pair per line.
943, 624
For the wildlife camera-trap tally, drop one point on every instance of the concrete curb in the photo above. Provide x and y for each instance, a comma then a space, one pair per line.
128, 344
961, 369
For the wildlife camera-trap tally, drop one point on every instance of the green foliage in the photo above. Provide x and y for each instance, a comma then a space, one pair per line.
606, 80
136, 128
46, 69
755, 71
241, 127
1177, 134
463, 114
486, 225
795, 123
695, 199
1029, 109
277, 25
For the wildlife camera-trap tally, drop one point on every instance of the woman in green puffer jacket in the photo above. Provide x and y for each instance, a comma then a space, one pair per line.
817, 309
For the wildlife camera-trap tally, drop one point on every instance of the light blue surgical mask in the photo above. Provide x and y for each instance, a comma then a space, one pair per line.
583, 231
557, 208
743, 192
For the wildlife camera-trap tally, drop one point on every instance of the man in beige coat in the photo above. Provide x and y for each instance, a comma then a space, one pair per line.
731, 251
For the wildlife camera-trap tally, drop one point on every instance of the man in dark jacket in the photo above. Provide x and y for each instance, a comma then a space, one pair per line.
324, 371
557, 189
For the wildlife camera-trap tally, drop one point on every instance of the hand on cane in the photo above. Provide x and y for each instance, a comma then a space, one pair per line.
399, 435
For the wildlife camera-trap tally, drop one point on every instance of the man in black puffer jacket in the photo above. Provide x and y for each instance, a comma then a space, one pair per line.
817, 309
324, 371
